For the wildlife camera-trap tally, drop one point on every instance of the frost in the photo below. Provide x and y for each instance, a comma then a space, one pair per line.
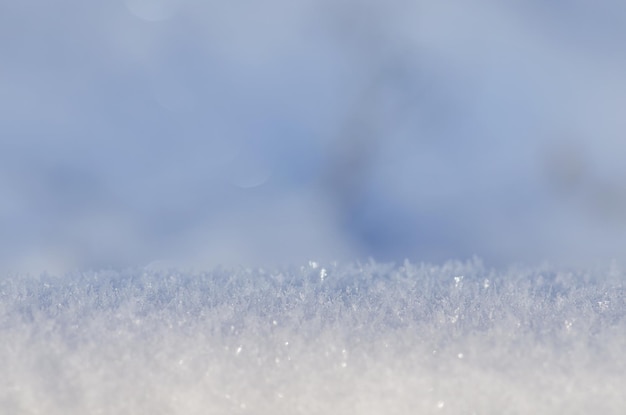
374, 338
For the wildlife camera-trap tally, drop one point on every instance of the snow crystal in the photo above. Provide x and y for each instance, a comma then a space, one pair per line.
361, 339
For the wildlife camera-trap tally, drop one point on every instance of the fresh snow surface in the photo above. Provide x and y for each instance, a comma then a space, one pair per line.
364, 338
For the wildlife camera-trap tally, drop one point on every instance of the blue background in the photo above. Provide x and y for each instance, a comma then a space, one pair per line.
204, 133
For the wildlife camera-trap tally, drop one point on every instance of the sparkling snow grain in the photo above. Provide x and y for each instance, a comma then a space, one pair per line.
349, 339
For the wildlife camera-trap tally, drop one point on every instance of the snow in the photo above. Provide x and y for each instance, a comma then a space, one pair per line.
232, 138
351, 338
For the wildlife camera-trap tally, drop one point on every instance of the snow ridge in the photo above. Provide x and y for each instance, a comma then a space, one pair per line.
361, 338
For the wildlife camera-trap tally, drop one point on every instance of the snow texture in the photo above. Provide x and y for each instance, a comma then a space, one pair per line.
363, 338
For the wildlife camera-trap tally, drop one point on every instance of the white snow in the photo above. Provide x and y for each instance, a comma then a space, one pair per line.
214, 134
323, 338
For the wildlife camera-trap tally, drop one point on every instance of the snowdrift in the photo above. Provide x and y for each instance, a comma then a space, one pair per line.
362, 338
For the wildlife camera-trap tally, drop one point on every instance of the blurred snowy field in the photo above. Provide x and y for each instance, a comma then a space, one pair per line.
205, 132
365, 339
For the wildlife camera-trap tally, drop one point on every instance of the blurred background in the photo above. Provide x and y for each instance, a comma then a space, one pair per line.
207, 132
